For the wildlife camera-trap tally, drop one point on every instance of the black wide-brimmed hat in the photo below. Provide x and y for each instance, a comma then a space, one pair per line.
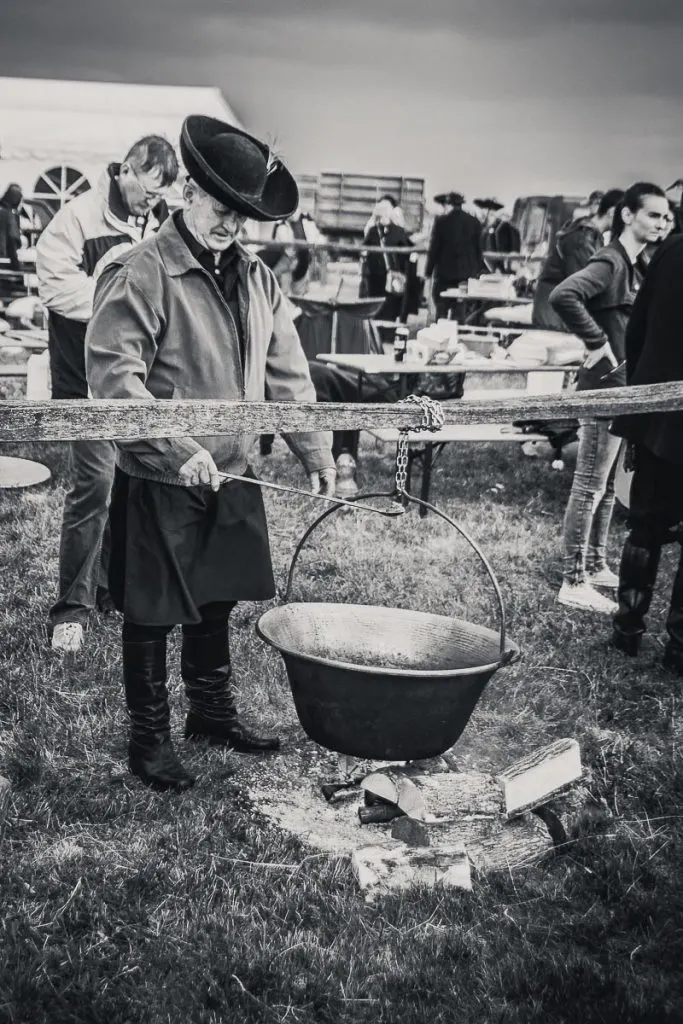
237, 169
488, 204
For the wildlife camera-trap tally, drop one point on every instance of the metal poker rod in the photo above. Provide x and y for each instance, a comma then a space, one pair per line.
390, 512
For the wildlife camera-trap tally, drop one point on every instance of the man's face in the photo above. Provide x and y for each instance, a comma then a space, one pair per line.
648, 223
141, 190
384, 211
214, 225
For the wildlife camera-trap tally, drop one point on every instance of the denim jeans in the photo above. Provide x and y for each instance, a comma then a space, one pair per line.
83, 550
591, 502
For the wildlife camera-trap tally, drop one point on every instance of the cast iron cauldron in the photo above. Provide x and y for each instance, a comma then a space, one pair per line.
384, 683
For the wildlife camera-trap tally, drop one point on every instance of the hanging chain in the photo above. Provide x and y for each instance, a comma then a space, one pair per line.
433, 418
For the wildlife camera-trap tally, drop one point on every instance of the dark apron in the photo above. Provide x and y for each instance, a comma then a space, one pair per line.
175, 549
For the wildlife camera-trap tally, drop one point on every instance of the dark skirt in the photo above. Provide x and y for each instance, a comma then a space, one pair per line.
175, 549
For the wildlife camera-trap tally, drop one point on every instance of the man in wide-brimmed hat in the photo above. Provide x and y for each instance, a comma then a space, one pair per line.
454, 250
191, 313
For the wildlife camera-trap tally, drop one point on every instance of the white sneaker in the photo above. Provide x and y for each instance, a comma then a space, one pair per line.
67, 637
604, 578
582, 595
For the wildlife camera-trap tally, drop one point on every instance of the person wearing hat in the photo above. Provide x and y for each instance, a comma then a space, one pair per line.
454, 253
191, 313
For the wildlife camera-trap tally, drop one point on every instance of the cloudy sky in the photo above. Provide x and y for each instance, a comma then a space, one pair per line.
500, 97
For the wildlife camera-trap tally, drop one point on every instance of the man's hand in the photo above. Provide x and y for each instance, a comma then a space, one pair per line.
200, 469
323, 482
594, 356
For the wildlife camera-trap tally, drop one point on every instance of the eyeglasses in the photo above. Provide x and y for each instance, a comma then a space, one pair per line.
150, 196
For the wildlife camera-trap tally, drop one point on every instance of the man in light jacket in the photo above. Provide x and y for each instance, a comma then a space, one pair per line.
191, 313
126, 206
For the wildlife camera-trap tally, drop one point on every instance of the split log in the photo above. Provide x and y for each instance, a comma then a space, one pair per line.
412, 833
526, 784
430, 797
378, 815
533, 779
335, 791
389, 868
494, 844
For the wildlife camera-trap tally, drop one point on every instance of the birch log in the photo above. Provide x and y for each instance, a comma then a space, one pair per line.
535, 778
397, 866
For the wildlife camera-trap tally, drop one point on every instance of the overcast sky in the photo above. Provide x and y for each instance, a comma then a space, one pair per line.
499, 97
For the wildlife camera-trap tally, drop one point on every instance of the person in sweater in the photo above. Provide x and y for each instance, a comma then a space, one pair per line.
595, 303
127, 205
574, 245
191, 313
654, 354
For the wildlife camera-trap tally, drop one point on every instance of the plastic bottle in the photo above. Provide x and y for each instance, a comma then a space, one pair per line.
400, 343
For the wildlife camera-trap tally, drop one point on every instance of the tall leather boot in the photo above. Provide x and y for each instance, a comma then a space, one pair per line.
206, 670
637, 576
673, 651
150, 752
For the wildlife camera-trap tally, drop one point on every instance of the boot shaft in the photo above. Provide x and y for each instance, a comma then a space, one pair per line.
674, 622
637, 577
144, 681
206, 670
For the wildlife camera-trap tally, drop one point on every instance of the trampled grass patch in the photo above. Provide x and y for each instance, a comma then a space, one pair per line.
124, 905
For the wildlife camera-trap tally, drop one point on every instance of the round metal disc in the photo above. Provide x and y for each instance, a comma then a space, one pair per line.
21, 473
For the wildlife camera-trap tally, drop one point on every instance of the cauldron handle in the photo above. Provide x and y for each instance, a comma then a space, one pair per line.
506, 656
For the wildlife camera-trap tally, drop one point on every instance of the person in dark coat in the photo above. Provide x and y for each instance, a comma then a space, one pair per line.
383, 230
507, 236
654, 355
454, 250
595, 304
192, 313
10, 233
574, 245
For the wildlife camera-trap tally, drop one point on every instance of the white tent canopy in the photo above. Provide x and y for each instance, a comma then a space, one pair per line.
49, 124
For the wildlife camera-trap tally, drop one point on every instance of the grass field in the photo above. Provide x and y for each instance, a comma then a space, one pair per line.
121, 905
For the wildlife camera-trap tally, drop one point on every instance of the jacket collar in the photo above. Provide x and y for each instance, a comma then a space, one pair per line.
176, 255
116, 212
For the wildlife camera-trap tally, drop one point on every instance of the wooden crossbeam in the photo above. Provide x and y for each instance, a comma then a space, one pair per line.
109, 419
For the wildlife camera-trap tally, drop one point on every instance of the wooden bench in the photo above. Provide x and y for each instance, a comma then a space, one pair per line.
426, 445
13, 369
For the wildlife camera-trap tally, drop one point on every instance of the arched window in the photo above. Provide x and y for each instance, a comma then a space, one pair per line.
56, 186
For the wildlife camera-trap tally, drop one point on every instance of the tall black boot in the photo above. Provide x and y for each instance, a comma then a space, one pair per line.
206, 669
673, 651
637, 576
150, 752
